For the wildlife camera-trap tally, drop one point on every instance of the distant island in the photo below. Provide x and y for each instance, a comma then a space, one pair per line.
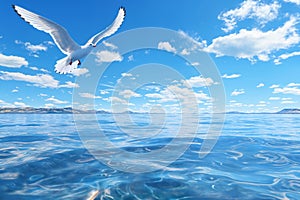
283, 111
30, 110
69, 110
289, 111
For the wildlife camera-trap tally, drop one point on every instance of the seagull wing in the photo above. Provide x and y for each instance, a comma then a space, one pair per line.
60, 36
110, 29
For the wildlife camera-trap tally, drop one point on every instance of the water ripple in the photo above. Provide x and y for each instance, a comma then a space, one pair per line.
257, 157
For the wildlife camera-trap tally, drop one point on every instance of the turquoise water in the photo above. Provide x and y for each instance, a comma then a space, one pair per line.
256, 157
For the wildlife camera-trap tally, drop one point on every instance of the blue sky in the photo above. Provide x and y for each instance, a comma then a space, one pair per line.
254, 44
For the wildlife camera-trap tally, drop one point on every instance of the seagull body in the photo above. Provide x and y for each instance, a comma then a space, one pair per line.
63, 40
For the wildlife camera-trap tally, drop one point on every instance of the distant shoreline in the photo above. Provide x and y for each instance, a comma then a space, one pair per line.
69, 110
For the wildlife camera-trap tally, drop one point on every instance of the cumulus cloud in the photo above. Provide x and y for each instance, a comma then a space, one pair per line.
237, 92
274, 98
35, 48
43, 95
128, 94
288, 102
130, 58
260, 85
39, 80
117, 100
12, 61
103, 92
20, 104
49, 105
177, 93
126, 75
291, 88
5, 104
56, 101
231, 76
250, 9
37, 69
166, 46
293, 85
110, 45
286, 56
293, 1
89, 95
274, 86
108, 56
69, 84
79, 71
199, 81
252, 44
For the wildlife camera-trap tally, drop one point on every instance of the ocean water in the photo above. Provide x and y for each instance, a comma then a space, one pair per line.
256, 157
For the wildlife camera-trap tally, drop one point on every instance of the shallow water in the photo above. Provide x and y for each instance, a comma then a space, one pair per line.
256, 157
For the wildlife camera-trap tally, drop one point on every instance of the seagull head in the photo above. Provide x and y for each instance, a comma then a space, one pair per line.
93, 45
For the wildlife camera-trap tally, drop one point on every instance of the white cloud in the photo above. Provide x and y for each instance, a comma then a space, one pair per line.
256, 43
79, 71
49, 105
117, 100
199, 81
110, 45
56, 101
35, 49
274, 86
154, 95
286, 99
178, 93
286, 56
166, 46
89, 95
37, 69
237, 92
288, 102
34, 68
126, 75
260, 85
43, 95
39, 80
128, 94
12, 61
293, 85
194, 43
253, 9
293, 1
274, 98
185, 52
130, 58
69, 84
231, 76
103, 92
20, 104
287, 90
15, 91
195, 63
44, 70
108, 56
5, 104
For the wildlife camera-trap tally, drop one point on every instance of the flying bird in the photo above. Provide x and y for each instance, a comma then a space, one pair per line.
63, 40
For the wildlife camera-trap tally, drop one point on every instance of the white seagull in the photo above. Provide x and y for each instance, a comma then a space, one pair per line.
63, 40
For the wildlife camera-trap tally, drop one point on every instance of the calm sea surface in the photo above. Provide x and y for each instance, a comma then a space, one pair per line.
256, 157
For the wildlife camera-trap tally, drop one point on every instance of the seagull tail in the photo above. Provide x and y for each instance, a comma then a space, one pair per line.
63, 67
